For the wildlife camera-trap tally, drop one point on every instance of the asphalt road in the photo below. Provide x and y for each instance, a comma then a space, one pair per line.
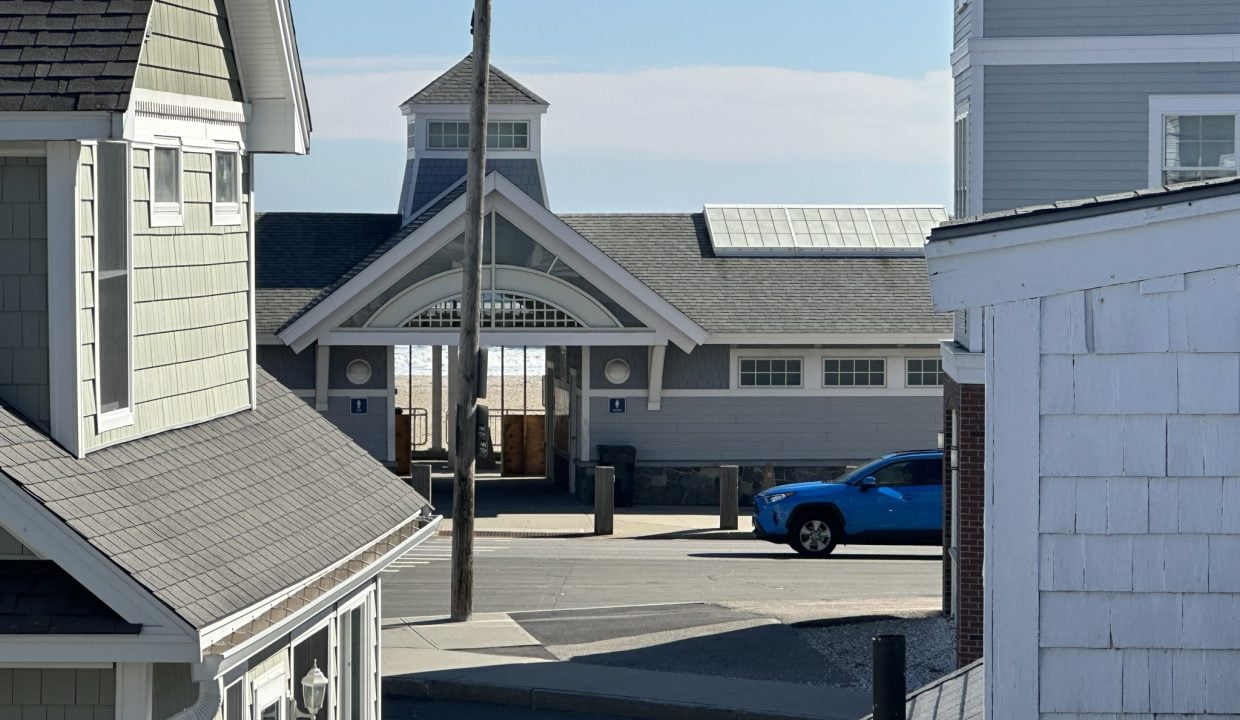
404, 709
529, 574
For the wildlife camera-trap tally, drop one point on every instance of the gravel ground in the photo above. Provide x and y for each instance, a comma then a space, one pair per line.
929, 644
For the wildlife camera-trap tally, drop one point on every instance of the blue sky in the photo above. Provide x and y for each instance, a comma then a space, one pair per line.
656, 105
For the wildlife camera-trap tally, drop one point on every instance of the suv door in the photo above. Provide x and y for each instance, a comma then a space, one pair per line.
924, 497
907, 498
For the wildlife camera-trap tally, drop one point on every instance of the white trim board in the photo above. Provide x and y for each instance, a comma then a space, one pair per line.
1058, 257
773, 392
929, 339
966, 368
85, 650
63, 288
1163, 105
1118, 49
492, 338
57, 125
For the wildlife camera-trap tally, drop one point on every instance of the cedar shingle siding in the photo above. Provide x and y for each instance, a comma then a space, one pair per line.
189, 51
61, 56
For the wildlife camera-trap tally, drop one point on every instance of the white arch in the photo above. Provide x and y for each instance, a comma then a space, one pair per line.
523, 281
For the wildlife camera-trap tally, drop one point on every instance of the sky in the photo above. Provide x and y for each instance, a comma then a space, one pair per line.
656, 105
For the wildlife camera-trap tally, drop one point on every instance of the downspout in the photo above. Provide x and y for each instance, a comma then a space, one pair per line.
210, 700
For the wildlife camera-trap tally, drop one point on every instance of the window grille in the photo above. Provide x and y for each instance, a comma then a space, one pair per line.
854, 372
770, 372
924, 372
499, 310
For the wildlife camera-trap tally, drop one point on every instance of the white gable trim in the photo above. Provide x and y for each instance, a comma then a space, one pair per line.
34, 526
1058, 257
271, 77
1117, 49
531, 218
45, 650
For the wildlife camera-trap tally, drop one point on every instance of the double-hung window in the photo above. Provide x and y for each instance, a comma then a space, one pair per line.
112, 266
770, 372
923, 372
226, 188
1193, 138
165, 184
854, 372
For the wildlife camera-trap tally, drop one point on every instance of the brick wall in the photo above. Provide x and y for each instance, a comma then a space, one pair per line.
969, 401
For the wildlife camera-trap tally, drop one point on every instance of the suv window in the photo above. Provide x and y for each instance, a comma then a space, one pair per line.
910, 472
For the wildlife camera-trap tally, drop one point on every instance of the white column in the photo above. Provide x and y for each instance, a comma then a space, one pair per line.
437, 397
62, 291
654, 385
322, 354
133, 691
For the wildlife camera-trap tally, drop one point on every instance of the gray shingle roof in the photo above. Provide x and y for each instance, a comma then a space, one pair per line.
69, 54
955, 696
453, 88
387, 243
671, 253
37, 597
214, 517
299, 254
1065, 210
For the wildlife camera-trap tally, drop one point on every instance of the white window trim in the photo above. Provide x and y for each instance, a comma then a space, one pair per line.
367, 602
736, 377
227, 213
822, 367
165, 214
1163, 105
811, 381
907, 371
529, 134
121, 417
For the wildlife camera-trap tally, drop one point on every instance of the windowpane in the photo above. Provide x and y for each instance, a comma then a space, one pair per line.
309, 653
854, 372
226, 186
1199, 147
112, 306
924, 372
770, 372
167, 175
232, 702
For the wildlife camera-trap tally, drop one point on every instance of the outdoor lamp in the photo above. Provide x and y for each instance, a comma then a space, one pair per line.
313, 691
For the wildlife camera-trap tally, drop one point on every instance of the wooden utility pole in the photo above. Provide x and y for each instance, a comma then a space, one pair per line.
471, 299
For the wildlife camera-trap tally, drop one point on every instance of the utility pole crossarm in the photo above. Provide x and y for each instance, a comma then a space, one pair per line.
469, 345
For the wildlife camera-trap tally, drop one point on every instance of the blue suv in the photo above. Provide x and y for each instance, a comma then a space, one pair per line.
898, 498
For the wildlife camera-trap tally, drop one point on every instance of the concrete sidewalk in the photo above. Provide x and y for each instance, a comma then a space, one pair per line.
432, 659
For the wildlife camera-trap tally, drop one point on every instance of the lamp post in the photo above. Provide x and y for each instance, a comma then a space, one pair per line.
313, 692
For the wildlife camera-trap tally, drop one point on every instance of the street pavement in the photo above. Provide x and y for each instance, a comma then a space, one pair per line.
406, 709
528, 574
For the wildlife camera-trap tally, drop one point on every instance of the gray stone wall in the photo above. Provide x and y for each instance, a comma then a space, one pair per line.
699, 485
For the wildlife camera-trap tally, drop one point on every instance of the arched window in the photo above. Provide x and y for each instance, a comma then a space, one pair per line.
499, 310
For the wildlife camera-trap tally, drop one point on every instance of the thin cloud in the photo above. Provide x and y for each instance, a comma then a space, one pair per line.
740, 113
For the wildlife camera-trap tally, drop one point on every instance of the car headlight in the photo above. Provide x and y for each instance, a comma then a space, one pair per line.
776, 497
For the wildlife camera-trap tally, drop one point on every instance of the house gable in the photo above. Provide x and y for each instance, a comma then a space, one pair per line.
189, 51
602, 278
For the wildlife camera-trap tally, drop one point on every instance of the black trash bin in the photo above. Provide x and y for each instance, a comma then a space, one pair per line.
624, 459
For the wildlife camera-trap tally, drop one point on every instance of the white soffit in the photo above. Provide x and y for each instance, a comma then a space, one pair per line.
783, 230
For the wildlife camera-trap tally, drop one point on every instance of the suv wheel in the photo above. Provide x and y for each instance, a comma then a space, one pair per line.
814, 534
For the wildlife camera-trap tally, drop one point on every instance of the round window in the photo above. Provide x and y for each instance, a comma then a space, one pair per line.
358, 372
616, 371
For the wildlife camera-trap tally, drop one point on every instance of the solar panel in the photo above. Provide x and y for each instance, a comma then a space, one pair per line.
821, 229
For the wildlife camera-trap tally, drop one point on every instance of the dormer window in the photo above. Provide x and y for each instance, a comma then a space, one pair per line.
501, 135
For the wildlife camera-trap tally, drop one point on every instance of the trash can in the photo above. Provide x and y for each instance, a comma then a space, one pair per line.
624, 459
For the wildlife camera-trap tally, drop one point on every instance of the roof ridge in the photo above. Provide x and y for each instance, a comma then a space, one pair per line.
441, 90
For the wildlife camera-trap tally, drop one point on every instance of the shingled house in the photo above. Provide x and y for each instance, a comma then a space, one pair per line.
180, 535
792, 335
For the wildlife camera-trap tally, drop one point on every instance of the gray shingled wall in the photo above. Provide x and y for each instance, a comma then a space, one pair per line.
72, 694
23, 287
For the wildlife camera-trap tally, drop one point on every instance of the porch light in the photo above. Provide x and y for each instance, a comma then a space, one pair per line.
313, 691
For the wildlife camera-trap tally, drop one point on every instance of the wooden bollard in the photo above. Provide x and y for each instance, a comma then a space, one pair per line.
604, 500
420, 479
729, 497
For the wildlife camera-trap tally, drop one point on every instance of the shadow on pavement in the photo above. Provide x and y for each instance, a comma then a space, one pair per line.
496, 495
794, 556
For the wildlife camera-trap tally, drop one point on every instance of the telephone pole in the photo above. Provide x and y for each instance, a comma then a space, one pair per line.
471, 298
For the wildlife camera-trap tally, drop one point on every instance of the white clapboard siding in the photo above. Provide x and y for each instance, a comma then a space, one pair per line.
1138, 558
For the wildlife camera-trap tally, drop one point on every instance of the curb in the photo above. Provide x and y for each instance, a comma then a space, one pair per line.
674, 535
520, 534
567, 701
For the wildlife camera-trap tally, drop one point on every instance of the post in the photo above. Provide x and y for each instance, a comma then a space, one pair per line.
437, 397
420, 479
729, 497
889, 688
604, 500
471, 298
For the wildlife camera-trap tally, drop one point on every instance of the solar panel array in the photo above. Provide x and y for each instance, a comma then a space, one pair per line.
821, 229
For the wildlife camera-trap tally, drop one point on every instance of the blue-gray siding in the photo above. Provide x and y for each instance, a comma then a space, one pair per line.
293, 370
963, 24
706, 368
1068, 131
1079, 18
342, 355
636, 356
23, 287
690, 430
369, 430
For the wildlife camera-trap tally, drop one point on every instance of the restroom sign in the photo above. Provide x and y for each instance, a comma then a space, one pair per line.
615, 405
357, 406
